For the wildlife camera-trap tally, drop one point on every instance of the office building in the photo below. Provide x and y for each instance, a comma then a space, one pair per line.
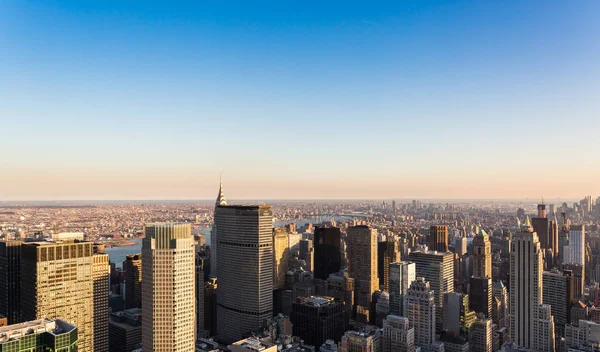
125, 330
576, 250
281, 257
558, 292
39, 335
382, 308
245, 294
100, 274
133, 281
438, 238
362, 263
480, 295
199, 290
318, 319
454, 343
460, 246
482, 255
10, 281
387, 252
307, 253
421, 312
402, 274
457, 316
363, 341
583, 337
57, 281
578, 273
500, 293
529, 319
437, 268
341, 286
214, 236
480, 335
328, 258
398, 335
168, 288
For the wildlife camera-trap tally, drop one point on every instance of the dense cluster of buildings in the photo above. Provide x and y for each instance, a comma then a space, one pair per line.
356, 277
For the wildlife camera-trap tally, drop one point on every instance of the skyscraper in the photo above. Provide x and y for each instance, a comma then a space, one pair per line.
482, 255
307, 253
387, 252
57, 282
457, 317
281, 257
528, 317
421, 312
100, 274
438, 238
199, 290
398, 336
168, 288
480, 335
341, 286
480, 295
10, 281
133, 281
39, 335
362, 263
317, 319
576, 250
328, 258
559, 292
402, 274
221, 200
245, 260
437, 268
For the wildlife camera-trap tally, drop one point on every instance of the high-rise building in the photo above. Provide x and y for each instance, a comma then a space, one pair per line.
398, 335
402, 274
199, 290
460, 246
438, 238
57, 281
100, 274
245, 260
480, 335
482, 255
328, 258
544, 330
318, 319
39, 335
362, 263
281, 257
168, 288
558, 292
214, 236
438, 269
387, 252
133, 281
500, 293
457, 316
341, 286
578, 273
528, 317
480, 295
576, 249
10, 281
125, 330
421, 312
382, 308
307, 253
363, 341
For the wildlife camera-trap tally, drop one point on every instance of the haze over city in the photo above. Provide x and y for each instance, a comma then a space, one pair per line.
308, 100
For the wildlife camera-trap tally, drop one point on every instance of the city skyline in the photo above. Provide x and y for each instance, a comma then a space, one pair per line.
298, 101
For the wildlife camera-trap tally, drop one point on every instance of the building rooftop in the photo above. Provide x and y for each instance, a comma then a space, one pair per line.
15, 331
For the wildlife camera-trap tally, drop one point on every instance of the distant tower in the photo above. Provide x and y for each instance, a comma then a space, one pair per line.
245, 260
168, 287
281, 263
387, 252
362, 263
327, 256
438, 238
213, 233
482, 255
576, 245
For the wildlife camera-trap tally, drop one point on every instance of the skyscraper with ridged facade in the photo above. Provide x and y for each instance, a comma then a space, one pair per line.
362, 263
168, 288
221, 200
245, 269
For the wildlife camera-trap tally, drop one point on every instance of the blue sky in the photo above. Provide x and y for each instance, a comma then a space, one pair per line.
299, 99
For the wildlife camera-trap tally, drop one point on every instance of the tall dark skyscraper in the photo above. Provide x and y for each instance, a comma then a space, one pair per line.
10, 281
317, 319
221, 200
133, 281
326, 245
245, 262
438, 238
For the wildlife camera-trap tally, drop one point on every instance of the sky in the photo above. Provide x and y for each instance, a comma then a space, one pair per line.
299, 99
